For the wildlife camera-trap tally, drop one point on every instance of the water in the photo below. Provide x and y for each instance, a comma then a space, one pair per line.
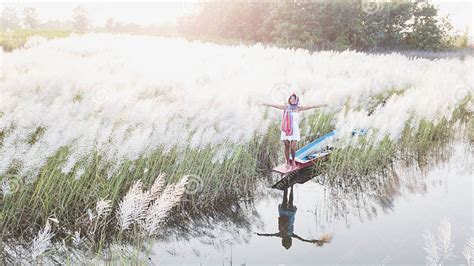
381, 226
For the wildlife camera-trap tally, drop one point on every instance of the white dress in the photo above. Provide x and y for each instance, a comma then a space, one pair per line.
296, 129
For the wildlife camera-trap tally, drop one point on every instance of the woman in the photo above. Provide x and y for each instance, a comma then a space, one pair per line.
290, 131
286, 221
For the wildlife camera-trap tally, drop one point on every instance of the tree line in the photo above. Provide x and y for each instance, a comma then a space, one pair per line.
316, 25
9, 20
313, 25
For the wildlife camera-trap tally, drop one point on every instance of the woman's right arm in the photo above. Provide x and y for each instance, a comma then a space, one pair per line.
278, 106
275, 234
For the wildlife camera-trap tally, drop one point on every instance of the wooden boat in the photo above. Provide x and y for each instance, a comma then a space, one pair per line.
307, 155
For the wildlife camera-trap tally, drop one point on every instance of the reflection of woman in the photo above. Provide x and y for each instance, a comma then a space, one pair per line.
290, 131
286, 221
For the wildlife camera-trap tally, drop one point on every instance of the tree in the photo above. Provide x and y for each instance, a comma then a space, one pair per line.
30, 18
398, 15
9, 20
323, 24
427, 33
81, 23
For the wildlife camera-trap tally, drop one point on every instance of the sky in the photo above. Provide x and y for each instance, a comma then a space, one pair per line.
157, 12
140, 12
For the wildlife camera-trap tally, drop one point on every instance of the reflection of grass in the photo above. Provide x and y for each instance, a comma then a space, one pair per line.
14, 39
439, 250
69, 198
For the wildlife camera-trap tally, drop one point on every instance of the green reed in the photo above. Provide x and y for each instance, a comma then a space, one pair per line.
53, 193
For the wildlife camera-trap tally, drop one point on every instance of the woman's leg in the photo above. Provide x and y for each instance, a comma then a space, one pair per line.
287, 152
284, 202
293, 151
290, 203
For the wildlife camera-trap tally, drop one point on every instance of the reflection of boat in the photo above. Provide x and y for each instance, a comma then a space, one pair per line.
297, 177
307, 155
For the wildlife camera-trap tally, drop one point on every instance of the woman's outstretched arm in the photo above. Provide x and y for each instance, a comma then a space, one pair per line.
278, 106
261, 234
303, 108
306, 240
323, 239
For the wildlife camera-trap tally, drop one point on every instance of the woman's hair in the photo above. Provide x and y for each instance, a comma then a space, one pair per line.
296, 97
286, 241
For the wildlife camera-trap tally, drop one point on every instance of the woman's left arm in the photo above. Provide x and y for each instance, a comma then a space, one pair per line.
303, 108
